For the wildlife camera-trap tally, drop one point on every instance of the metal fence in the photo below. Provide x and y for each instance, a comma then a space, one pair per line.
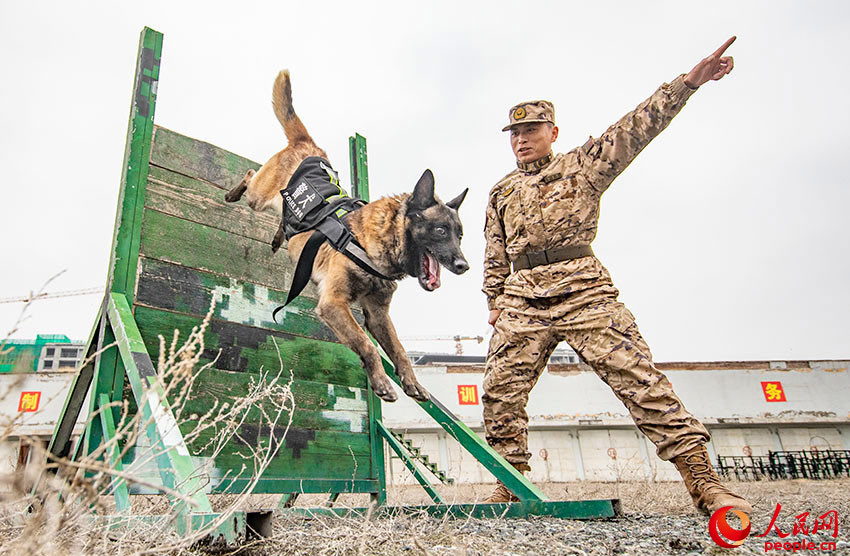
801, 464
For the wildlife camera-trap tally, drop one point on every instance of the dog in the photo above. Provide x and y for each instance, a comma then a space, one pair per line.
411, 234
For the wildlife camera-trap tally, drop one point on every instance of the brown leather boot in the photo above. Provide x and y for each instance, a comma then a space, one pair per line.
501, 495
703, 484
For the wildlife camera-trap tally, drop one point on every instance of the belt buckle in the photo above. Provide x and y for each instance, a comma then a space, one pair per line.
537, 258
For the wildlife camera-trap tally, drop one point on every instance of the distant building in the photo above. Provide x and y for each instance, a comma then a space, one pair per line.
563, 355
47, 352
579, 430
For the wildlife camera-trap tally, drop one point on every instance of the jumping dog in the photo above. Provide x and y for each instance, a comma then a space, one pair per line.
411, 234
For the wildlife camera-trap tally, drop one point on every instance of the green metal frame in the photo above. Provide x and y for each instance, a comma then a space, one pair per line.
118, 355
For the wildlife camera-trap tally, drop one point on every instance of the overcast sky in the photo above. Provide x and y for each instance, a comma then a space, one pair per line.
727, 237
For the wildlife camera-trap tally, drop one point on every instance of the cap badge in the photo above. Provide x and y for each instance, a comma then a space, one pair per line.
519, 113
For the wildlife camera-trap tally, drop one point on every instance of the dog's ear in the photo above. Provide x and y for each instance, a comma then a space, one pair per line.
423, 193
455, 203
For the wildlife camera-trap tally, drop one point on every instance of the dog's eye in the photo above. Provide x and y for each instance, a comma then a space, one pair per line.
440, 231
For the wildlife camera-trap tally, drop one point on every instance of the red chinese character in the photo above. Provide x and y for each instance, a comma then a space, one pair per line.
467, 394
773, 391
800, 525
29, 401
831, 523
773, 524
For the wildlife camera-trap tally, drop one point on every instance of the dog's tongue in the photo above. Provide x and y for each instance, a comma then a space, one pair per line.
433, 269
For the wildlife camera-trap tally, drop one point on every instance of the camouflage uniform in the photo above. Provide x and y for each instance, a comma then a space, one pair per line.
551, 204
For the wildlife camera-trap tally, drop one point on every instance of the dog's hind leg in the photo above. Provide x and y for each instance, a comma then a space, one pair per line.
334, 311
376, 307
236, 193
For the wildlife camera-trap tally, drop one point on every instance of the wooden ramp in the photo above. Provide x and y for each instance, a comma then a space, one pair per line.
179, 249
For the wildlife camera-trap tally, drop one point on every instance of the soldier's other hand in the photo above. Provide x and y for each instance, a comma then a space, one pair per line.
494, 316
712, 68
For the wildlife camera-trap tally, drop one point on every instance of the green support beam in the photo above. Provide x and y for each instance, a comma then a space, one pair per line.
119, 486
359, 167
581, 509
176, 468
417, 474
60, 442
476, 446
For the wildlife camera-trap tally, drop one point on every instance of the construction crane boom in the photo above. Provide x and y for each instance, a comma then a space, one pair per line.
50, 295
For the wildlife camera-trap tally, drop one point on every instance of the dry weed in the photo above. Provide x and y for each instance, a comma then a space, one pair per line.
59, 506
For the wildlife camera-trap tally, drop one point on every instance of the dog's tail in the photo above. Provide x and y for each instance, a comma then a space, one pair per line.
282, 102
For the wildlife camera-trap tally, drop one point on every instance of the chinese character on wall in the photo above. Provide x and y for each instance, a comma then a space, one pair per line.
29, 401
467, 394
773, 391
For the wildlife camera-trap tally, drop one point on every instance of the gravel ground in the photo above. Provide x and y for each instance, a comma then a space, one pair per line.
658, 519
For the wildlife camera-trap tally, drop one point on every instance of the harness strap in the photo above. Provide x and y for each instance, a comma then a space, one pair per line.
341, 239
359, 257
303, 269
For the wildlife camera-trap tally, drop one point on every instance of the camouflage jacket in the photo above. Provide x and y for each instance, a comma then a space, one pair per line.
558, 204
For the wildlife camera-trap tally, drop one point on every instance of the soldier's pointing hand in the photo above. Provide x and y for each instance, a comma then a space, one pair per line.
712, 68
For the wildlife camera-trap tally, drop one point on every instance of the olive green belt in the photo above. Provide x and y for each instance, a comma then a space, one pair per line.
549, 256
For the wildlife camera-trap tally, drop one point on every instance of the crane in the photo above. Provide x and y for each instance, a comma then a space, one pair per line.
457, 339
37, 296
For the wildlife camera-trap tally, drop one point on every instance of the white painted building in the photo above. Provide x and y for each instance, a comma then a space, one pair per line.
577, 424
30, 405
580, 431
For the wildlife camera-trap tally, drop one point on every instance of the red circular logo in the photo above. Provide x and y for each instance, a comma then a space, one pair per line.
720, 529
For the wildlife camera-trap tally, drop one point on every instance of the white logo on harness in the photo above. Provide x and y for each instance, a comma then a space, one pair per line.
302, 200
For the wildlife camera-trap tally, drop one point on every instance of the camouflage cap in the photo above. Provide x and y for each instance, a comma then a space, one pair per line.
531, 111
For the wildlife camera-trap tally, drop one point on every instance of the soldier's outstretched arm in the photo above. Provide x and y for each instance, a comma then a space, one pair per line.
607, 156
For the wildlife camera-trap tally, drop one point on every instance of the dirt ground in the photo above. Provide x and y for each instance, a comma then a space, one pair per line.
658, 519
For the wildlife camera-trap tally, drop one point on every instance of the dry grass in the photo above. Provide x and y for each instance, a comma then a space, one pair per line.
57, 506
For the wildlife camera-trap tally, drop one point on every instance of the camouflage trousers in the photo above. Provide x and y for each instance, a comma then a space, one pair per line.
603, 332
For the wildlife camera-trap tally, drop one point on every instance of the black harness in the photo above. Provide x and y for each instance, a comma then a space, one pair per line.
314, 200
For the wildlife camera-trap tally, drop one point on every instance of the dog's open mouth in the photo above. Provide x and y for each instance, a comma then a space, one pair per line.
429, 272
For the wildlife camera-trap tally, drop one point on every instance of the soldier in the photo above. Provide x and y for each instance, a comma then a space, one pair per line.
543, 285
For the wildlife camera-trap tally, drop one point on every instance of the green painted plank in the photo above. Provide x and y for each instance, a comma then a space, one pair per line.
318, 406
189, 291
245, 348
122, 266
193, 245
199, 201
297, 442
278, 486
308, 466
584, 509
198, 159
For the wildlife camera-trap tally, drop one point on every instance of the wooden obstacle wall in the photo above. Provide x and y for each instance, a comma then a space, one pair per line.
195, 248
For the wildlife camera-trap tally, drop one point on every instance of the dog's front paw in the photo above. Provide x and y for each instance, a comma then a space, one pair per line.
383, 389
415, 391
